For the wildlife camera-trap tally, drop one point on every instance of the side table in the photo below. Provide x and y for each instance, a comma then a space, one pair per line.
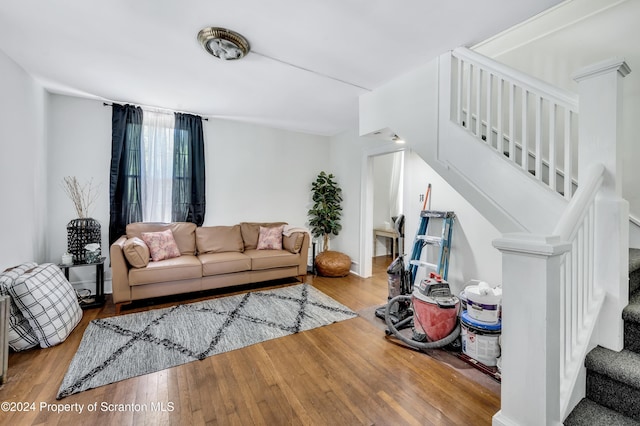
386, 233
97, 299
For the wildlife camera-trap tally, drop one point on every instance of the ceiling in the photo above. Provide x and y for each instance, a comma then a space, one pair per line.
310, 60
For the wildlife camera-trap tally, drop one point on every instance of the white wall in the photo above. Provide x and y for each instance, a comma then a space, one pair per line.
254, 173
382, 167
79, 144
347, 158
22, 166
579, 33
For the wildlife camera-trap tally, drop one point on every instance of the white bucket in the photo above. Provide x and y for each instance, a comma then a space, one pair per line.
480, 341
483, 303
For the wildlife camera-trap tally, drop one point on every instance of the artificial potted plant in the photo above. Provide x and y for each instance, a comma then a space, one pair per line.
325, 221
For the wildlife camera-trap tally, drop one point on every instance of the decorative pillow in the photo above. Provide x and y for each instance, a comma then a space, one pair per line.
161, 245
270, 238
293, 242
218, 239
20, 334
251, 230
184, 233
49, 303
136, 252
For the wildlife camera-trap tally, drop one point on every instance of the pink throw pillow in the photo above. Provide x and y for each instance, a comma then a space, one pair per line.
161, 245
270, 238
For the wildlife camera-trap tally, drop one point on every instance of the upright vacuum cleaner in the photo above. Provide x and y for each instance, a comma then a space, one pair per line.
399, 283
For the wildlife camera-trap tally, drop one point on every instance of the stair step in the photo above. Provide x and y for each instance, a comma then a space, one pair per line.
631, 317
613, 380
588, 413
631, 312
634, 270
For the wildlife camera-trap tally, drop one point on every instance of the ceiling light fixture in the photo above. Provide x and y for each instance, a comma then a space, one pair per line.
397, 139
222, 43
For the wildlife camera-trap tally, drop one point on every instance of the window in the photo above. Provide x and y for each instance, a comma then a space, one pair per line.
157, 166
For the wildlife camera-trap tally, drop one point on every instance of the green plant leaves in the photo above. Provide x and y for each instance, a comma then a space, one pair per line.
327, 210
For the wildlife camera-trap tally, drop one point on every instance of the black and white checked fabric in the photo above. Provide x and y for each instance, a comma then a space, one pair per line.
21, 335
49, 303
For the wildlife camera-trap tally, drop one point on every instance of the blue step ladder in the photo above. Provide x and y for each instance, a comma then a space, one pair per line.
423, 240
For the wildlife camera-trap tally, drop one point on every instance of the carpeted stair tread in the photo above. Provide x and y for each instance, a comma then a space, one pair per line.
623, 366
631, 312
634, 259
634, 270
613, 378
588, 413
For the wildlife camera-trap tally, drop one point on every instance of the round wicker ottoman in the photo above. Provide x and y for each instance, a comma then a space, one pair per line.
333, 264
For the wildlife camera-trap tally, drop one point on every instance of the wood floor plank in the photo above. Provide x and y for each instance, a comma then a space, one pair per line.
344, 373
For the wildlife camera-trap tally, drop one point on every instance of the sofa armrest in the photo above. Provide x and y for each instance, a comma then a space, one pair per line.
304, 255
119, 272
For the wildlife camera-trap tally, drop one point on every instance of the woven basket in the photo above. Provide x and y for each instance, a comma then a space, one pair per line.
81, 232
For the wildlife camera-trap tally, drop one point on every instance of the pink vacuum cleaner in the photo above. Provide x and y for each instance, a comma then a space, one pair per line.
435, 314
435, 309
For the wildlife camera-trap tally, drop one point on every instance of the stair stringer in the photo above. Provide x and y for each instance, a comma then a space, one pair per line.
528, 203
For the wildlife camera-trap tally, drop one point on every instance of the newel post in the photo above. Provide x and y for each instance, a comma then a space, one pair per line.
600, 89
530, 390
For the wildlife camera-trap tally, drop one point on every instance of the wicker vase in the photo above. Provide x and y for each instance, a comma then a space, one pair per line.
333, 264
81, 232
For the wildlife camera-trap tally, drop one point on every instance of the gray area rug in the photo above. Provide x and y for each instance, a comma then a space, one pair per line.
117, 348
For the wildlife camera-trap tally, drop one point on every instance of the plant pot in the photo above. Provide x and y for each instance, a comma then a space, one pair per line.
333, 264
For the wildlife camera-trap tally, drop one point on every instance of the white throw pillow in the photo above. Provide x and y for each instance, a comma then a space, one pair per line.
20, 334
49, 303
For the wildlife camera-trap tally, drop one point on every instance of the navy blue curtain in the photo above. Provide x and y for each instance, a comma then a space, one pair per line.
124, 185
188, 193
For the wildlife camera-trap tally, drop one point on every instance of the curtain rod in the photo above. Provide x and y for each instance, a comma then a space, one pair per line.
163, 111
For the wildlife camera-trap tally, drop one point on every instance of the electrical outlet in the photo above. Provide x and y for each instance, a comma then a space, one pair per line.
421, 198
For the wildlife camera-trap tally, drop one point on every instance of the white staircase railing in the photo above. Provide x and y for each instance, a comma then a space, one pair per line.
564, 293
530, 122
580, 297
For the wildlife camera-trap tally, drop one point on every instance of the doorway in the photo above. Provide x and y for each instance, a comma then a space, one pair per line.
384, 171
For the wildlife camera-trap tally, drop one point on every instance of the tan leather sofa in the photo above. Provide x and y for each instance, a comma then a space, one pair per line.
210, 257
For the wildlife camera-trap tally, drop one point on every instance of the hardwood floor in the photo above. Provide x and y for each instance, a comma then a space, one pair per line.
346, 373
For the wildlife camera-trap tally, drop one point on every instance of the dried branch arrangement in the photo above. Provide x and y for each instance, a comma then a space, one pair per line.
82, 196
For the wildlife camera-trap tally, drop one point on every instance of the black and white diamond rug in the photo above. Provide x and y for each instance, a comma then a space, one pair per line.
117, 348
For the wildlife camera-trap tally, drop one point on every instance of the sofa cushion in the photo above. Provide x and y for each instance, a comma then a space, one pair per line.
293, 242
176, 269
267, 259
224, 263
136, 252
184, 233
49, 303
161, 245
251, 231
270, 238
217, 239
20, 334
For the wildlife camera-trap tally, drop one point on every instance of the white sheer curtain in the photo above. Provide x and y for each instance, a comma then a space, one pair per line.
395, 185
157, 166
